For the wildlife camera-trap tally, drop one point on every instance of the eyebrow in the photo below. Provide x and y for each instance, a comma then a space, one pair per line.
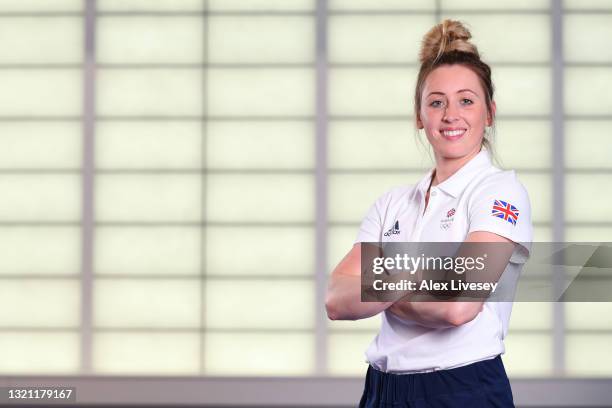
467, 90
459, 91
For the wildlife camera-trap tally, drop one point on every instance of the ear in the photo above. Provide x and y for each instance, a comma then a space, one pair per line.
491, 114
419, 123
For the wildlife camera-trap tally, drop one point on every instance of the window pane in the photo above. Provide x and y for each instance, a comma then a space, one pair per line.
586, 38
581, 186
381, 5
372, 91
351, 195
140, 303
137, 197
34, 303
264, 145
262, 251
528, 355
40, 250
586, 355
41, 353
586, 4
531, 315
261, 39
146, 353
588, 144
512, 136
151, 145
522, 91
588, 315
41, 5
149, 39
262, 299
40, 40
147, 5
377, 145
259, 354
27, 145
347, 353
580, 92
152, 251
494, 5
539, 187
40, 197
261, 92
542, 234
257, 5
530, 40
149, 92
260, 198
369, 38
588, 234
40, 92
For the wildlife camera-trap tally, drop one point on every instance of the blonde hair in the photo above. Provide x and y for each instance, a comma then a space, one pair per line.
448, 43
449, 35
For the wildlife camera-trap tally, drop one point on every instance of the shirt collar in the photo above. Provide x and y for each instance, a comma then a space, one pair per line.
456, 183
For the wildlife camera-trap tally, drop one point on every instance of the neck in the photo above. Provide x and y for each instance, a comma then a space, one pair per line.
446, 167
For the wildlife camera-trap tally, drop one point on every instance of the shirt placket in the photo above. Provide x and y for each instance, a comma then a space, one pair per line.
424, 219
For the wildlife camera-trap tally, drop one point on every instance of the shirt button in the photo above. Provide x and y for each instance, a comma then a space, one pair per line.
433, 193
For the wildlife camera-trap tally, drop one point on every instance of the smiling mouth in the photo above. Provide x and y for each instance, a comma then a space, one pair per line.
452, 134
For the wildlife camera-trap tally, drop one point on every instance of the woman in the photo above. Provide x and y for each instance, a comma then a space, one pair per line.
443, 354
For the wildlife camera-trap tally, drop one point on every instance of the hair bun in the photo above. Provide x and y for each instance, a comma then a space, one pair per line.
449, 35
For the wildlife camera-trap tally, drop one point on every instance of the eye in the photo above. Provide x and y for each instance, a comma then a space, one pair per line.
435, 104
466, 101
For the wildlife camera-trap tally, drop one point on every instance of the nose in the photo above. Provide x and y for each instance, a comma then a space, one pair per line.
450, 113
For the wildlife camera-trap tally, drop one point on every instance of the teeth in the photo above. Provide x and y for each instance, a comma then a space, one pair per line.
451, 133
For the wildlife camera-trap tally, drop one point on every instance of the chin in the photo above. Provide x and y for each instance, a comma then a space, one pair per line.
453, 152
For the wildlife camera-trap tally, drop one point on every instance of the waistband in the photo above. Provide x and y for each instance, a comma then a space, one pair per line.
481, 374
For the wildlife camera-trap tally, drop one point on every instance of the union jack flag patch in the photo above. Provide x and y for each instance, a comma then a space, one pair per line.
505, 211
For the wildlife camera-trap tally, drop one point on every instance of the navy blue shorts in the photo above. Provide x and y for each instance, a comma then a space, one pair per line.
477, 385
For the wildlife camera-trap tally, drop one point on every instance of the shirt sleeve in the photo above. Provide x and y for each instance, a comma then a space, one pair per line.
371, 228
501, 205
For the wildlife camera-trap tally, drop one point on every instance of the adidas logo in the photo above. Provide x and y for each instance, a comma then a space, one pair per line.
393, 230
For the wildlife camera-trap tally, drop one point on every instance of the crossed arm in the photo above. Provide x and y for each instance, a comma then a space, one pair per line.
343, 301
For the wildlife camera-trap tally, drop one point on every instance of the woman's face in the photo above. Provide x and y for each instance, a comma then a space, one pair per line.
454, 112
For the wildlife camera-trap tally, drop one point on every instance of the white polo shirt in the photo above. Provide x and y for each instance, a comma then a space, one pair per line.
463, 203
